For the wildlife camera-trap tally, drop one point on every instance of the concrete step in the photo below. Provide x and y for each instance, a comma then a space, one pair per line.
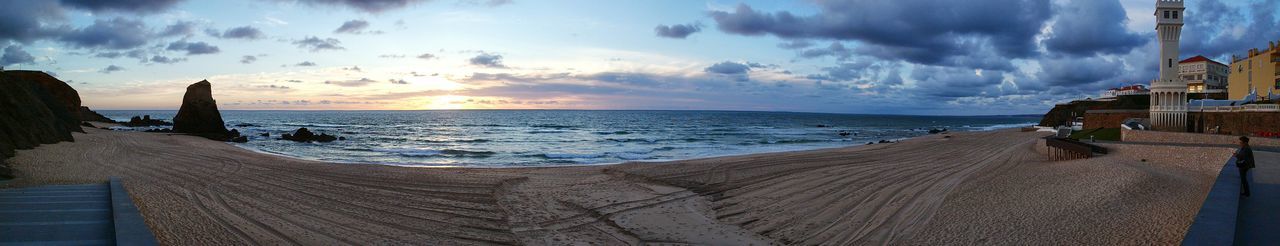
36, 205
56, 231
95, 214
51, 215
52, 198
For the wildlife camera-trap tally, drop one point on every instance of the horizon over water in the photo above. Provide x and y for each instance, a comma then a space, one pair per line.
529, 138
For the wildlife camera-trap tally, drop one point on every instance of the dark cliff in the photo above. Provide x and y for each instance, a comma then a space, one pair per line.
34, 111
1063, 113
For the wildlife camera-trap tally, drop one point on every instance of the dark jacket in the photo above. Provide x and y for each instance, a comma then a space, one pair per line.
1244, 158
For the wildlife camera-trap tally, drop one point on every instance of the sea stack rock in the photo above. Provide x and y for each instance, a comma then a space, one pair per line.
199, 113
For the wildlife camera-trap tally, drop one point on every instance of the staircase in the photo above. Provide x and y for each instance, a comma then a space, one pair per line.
93, 214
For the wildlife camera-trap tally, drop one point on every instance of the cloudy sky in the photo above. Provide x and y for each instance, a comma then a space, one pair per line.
855, 56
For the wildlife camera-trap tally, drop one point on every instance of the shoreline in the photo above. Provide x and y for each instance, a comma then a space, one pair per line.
923, 190
433, 165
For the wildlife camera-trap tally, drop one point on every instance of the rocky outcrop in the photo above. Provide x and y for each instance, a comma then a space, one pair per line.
199, 113
1062, 114
31, 113
304, 135
59, 95
87, 114
145, 120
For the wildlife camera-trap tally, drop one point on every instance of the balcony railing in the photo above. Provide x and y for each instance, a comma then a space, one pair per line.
1241, 108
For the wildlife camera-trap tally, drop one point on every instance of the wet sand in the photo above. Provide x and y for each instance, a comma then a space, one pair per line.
981, 187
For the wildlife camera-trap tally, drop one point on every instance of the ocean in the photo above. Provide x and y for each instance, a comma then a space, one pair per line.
527, 138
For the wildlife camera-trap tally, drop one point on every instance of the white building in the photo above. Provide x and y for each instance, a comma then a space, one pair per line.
1126, 91
1169, 92
1203, 75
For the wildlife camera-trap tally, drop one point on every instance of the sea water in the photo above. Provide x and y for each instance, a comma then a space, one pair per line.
522, 138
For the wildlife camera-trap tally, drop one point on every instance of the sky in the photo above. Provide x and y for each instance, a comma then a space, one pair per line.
976, 57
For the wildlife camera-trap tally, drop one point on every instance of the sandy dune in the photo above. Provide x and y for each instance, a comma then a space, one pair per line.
973, 187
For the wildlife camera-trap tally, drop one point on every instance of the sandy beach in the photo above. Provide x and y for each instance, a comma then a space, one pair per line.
970, 188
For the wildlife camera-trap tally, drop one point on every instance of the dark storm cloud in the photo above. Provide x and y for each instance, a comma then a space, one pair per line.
111, 69
15, 55
846, 71
181, 28
116, 54
244, 32
26, 20
1216, 30
1087, 27
351, 83
487, 60
116, 33
352, 27
945, 82
1079, 72
193, 48
370, 6
728, 67
131, 6
1008, 25
166, 59
677, 31
836, 50
795, 44
316, 44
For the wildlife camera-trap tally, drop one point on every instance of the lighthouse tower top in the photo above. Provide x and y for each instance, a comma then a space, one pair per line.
1169, 12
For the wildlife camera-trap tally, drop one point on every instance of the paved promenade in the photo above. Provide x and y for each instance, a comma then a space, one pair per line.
1259, 218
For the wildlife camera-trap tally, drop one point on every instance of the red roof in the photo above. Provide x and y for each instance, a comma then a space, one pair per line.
1199, 59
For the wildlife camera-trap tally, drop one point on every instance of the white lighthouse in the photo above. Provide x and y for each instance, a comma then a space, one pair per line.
1169, 92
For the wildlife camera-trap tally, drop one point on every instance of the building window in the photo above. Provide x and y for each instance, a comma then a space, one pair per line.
1166, 14
1175, 14
1170, 62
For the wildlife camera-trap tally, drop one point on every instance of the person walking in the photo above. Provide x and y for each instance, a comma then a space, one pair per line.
1244, 161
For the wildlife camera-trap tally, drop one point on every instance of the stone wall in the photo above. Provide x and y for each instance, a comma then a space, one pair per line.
1192, 138
1253, 124
1111, 118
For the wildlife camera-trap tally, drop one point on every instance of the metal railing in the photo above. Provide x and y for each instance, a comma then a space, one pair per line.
1239, 108
1068, 149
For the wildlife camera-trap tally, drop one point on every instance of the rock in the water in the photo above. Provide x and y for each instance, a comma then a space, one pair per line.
240, 139
265, 134
199, 113
31, 113
87, 114
86, 124
305, 135
937, 130
145, 120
